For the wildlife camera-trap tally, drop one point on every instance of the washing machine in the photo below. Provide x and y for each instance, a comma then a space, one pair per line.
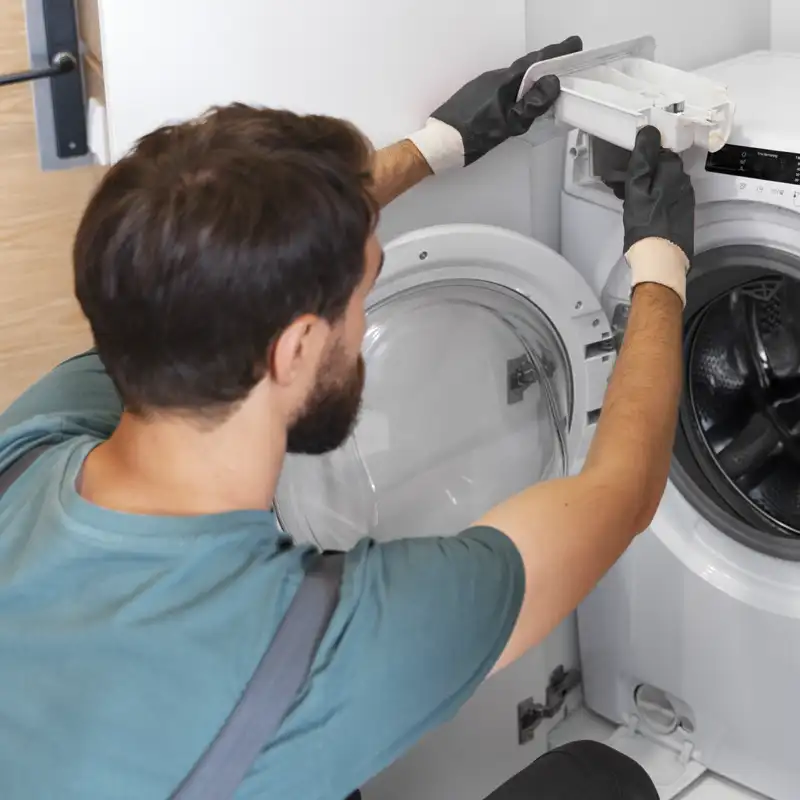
692, 642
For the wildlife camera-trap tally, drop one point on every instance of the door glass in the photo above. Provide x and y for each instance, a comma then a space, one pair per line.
467, 401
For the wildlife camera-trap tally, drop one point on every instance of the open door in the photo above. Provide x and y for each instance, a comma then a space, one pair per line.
487, 359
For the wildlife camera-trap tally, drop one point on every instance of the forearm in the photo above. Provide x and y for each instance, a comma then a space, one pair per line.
396, 169
569, 532
636, 431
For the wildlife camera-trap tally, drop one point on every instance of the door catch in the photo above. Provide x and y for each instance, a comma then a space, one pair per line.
522, 373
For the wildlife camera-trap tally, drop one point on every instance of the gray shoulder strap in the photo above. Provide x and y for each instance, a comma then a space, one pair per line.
271, 690
8, 476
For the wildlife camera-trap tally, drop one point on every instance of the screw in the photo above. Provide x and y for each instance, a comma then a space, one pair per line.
595, 323
423, 255
579, 305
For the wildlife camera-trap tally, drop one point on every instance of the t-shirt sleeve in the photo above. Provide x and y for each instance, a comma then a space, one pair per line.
421, 623
77, 389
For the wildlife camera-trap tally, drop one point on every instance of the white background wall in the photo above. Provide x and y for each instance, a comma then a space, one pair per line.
690, 33
786, 25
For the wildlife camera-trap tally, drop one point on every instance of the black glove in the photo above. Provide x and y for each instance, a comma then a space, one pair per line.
658, 195
658, 215
485, 112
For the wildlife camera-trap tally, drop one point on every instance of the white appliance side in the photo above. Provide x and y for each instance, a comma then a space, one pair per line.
494, 191
785, 33
687, 609
592, 238
732, 667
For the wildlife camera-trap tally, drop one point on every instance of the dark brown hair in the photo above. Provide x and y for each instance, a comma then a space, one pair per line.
208, 239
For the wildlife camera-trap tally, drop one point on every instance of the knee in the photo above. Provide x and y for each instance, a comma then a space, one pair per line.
610, 774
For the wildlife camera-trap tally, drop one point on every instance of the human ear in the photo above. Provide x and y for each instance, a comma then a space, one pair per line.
296, 352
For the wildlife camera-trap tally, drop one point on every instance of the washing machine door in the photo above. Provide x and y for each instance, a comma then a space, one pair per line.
487, 357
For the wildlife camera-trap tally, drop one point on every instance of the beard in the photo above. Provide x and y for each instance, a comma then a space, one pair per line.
331, 410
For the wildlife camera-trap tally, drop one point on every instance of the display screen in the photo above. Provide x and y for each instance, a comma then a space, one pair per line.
753, 162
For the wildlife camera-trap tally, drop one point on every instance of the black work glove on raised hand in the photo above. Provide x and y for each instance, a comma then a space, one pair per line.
659, 208
485, 112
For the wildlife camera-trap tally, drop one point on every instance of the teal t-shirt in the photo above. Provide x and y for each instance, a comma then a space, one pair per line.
125, 640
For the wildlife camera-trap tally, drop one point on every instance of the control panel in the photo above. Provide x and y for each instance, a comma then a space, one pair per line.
759, 174
752, 162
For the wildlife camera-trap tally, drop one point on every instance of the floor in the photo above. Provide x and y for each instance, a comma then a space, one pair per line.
584, 725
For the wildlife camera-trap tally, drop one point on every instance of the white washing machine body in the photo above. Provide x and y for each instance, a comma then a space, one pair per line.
693, 638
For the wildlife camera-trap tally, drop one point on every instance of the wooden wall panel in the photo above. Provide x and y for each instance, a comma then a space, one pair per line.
89, 26
40, 323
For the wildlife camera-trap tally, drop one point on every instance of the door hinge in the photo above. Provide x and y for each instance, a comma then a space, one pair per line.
530, 713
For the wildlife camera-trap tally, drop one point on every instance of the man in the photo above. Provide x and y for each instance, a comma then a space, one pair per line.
224, 266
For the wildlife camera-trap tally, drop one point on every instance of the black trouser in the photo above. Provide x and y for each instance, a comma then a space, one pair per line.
578, 771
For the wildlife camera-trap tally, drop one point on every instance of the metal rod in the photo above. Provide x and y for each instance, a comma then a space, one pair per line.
62, 63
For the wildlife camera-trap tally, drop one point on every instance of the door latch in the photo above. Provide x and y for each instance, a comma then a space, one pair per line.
522, 373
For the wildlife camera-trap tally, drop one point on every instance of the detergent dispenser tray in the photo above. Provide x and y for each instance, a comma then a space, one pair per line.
614, 91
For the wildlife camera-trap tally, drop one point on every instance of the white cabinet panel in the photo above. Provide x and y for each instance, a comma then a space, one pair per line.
383, 65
